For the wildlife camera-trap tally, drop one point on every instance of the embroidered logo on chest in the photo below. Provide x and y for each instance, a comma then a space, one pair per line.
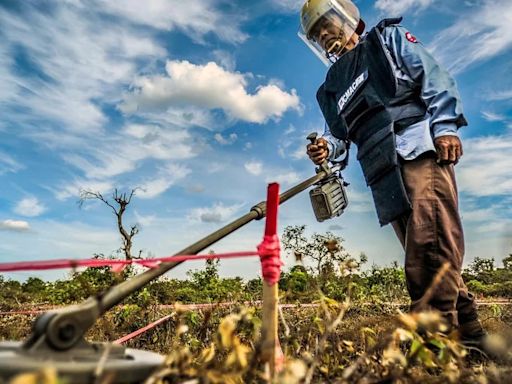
349, 93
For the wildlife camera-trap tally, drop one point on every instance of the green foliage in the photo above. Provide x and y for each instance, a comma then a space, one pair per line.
486, 279
386, 282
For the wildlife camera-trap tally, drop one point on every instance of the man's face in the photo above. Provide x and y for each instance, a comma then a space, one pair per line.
328, 31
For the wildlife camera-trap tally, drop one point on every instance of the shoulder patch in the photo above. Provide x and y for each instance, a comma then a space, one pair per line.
409, 36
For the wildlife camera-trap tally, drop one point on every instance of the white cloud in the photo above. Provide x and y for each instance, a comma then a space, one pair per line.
145, 220
399, 7
217, 214
72, 189
479, 214
484, 169
299, 152
359, 200
477, 36
290, 6
492, 116
14, 225
167, 178
289, 130
225, 141
254, 167
82, 58
215, 167
195, 17
500, 95
30, 207
209, 87
132, 146
225, 59
8, 163
284, 178
9, 86
106, 156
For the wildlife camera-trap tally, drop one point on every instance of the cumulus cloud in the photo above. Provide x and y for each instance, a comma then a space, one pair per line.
76, 64
14, 225
218, 213
484, 169
209, 87
476, 36
30, 207
225, 141
399, 7
254, 167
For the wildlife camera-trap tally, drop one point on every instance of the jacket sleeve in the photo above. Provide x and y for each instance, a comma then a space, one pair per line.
336, 146
438, 88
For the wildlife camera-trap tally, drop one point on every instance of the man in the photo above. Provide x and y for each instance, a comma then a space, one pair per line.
385, 93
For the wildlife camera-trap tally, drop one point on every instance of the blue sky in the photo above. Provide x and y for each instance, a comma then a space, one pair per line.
200, 103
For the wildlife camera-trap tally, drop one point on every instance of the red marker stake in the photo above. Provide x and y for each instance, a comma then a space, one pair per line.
269, 251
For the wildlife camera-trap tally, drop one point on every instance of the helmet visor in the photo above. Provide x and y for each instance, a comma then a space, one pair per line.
327, 26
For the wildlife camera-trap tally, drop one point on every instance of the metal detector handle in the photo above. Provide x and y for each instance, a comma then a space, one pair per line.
324, 166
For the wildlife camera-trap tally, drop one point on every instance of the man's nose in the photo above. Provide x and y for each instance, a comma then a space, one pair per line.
324, 32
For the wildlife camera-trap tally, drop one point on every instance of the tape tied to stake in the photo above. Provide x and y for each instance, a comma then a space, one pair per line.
269, 251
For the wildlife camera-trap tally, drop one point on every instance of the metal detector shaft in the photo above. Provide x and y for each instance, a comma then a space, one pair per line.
123, 290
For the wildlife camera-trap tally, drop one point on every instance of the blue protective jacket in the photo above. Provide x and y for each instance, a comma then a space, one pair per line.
413, 66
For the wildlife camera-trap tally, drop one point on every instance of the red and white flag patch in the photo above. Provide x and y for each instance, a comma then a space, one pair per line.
409, 36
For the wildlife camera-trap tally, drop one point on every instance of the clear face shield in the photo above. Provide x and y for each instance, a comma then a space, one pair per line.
328, 27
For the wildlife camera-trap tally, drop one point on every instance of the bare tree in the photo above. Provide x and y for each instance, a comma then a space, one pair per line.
118, 205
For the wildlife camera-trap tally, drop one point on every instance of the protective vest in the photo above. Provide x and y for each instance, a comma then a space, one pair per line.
363, 102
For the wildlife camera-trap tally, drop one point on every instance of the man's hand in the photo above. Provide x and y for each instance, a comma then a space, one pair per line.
318, 152
449, 149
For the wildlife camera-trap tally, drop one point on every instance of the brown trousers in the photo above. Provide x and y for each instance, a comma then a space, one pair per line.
432, 235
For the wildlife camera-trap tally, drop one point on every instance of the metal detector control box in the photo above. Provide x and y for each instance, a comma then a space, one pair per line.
329, 199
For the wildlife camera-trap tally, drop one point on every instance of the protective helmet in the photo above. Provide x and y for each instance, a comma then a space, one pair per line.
326, 26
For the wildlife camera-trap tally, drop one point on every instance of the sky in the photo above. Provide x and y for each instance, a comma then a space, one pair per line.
199, 104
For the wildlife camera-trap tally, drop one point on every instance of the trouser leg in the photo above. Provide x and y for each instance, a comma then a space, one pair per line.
431, 236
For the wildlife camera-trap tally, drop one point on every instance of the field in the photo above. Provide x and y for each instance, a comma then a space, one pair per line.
339, 322
369, 344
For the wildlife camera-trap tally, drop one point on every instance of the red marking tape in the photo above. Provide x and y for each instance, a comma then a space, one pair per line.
409, 36
269, 249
